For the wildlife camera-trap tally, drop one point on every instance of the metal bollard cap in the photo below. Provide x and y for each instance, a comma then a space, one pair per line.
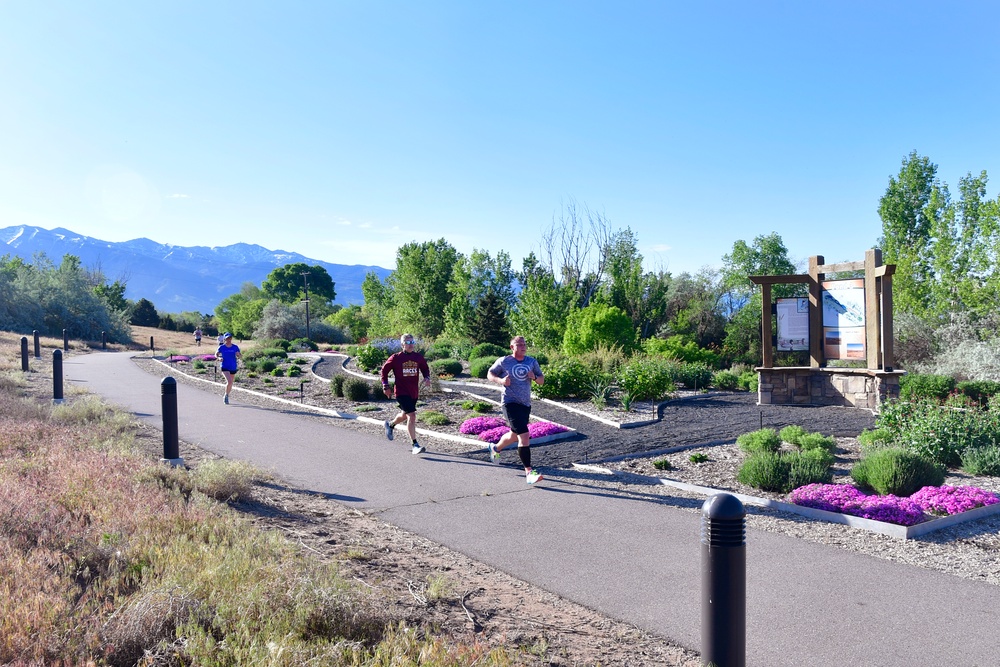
168, 385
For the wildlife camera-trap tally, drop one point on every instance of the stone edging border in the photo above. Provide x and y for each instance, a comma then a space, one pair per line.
881, 527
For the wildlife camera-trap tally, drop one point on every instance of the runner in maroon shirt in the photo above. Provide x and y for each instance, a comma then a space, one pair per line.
406, 366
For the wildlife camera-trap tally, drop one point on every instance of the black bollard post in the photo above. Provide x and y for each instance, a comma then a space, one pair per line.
168, 405
65, 341
104, 341
301, 391
151, 348
24, 353
57, 377
723, 582
215, 373
38, 349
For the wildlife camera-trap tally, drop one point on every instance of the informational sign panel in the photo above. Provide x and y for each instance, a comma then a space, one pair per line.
844, 319
793, 324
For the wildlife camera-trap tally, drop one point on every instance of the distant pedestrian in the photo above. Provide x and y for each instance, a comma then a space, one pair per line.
228, 353
406, 366
197, 336
516, 372
222, 339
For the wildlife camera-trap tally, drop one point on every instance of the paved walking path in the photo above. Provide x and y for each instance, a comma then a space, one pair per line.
623, 555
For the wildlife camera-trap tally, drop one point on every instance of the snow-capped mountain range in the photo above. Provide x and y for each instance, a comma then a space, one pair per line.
176, 278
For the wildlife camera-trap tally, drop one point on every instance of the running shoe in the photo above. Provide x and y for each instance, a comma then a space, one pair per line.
225, 399
417, 449
532, 476
494, 454
388, 430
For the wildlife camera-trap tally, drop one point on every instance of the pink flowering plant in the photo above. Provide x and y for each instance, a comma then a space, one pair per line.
478, 425
848, 499
535, 430
945, 500
207, 357
180, 357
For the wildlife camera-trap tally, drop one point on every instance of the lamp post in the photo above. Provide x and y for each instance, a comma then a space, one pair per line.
305, 279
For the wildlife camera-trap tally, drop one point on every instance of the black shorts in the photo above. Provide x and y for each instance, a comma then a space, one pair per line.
407, 404
517, 417
231, 371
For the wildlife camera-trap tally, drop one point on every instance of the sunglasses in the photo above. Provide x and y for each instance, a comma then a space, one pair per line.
408, 342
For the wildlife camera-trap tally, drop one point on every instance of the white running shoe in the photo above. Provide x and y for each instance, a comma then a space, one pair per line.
417, 449
494, 454
532, 476
388, 430
225, 399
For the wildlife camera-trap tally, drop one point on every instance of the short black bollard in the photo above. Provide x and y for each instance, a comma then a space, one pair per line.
168, 405
38, 349
151, 344
57, 377
301, 391
24, 353
104, 341
723, 582
65, 341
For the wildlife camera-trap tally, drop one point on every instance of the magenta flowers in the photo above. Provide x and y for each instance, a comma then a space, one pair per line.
847, 499
477, 425
945, 500
535, 430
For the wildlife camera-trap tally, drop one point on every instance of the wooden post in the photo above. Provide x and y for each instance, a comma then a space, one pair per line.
873, 323
765, 326
816, 356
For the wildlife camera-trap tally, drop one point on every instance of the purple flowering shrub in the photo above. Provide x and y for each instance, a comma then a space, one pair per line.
848, 499
535, 429
477, 425
947, 499
180, 357
207, 357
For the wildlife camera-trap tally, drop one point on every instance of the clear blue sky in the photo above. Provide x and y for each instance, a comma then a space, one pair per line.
342, 130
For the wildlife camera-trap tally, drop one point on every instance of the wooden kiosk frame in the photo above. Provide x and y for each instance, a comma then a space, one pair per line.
818, 384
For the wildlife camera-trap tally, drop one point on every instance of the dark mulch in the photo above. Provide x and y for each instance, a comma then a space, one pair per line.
712, 419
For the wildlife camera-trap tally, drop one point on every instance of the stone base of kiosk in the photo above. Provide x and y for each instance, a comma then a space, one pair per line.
847, 387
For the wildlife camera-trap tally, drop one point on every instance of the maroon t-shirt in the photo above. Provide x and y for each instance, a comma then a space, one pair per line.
407, 367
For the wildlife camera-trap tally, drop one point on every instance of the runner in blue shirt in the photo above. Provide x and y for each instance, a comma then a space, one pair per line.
229, 354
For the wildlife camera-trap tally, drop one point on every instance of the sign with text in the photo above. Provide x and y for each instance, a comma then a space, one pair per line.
844, 319
793, 324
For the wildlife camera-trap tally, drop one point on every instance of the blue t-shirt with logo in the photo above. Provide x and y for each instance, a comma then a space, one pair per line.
519, 390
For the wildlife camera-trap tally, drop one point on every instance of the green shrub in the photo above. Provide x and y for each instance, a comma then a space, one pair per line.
278, 372
761, 440
918, 386
438, 350
356, 389
808, 467
337, 384
662, 464
264, 352
647, 378
267, 365
748, 381
604, 359
939, 433
480, 367
979, 391
600, 390
682, 349
897, 471
598, 324
817, 441
370, 358
433, 417
698, 457
197, 364
981, 461
375, 391
726, 380
300, 361
767, 471
367, 408
565, 377
792, 435
540, 357
477, 406
694, 375
488, 350
302, 344
877, 438
446, 367
293, 371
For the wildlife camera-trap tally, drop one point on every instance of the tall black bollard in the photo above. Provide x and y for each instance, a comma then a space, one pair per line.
24, 353
168, 405
104, 341
151, 344
65, 341
723, 582
38, 349
57, 377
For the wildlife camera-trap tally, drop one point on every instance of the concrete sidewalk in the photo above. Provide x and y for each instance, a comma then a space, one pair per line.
623, 555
